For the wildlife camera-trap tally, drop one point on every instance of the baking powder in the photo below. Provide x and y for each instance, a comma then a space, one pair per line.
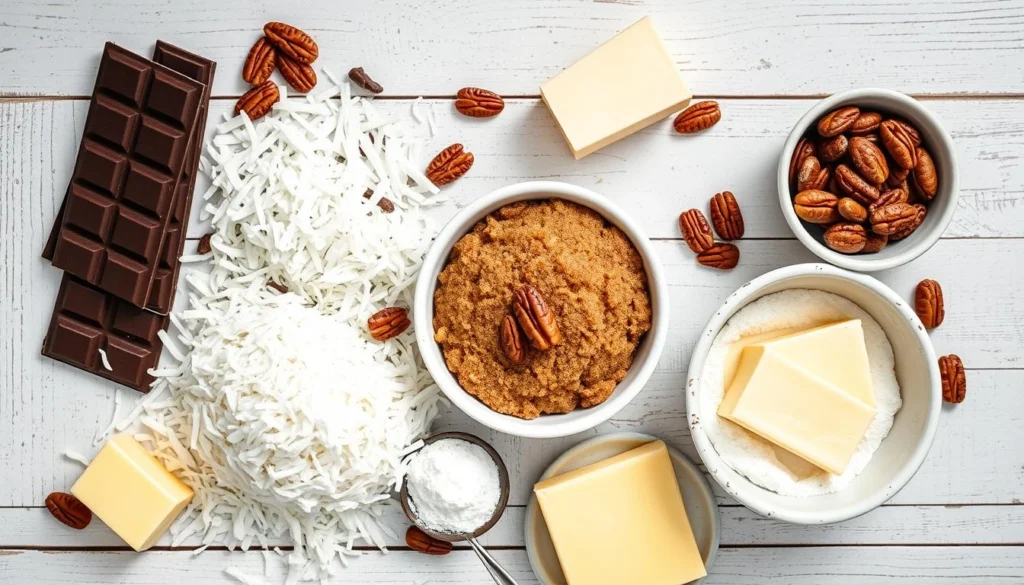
453, 486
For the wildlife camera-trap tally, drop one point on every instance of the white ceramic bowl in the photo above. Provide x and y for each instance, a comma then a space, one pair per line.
549, 425
901, 452
940, 209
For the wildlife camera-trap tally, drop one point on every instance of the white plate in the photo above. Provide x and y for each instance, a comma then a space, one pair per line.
698, 499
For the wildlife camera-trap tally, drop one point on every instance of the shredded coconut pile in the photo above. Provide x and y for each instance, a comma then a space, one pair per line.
282, 414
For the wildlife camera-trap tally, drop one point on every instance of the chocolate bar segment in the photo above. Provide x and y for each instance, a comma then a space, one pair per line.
86, 320
119, 204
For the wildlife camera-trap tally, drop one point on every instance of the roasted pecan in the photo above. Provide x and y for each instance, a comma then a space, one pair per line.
846, 238
865, 123
536, 318
291, 42
893, 218
875, 242
808, 174
723, 256
363, 80
897, 175
915, 137
896, 195
300, 76
388, 323
833, 149
910, 227
816, 206
855, 186
384, 204
277, 286
695, 230
699, 116
929, 304
869, 160
260, 62
899, 144
726, 216
257, 101
69, 510
449, 165
851, 210
822, 181
204, 246
954, 379
420, 541
838, 121
478, 103
804, 149
511, 340
925, 179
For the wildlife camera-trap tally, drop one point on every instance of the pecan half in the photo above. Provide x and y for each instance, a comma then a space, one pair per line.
363, 80
924, 176
915, 137
804, 149
929, 303
822, 181
851, 210
536, 318
277, 286
449, 165
204, 246
816, 206
896, 195
954, 379
257, 101
912, 226
869, 160
696, 232
726, 216
855, 186
846, 238
899, 144
838, 121
897, 175
511, 340
833, 149
291, 42
699, 116
260, 62
890, 219
388, 323
722, 256
300, 76
865, 123
69, 510
808, 174
875, 243
478, 103
422, 542
385, 204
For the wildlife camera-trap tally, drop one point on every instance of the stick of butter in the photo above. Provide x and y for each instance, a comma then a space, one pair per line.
131, 492
625, 85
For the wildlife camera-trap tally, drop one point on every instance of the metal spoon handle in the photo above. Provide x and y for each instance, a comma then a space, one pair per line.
498, 573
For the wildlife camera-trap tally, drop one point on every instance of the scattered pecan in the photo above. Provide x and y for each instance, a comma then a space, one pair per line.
69, 510
360, 78
277, 286
449, 165
260, 62
899, 144
929, 303
388, 323
909, 228
875, 243
893, 218
722, 256
511, 340
865, 123
833, 149
204, 244
816, 206
846, 238
954, 379
257, 101
291, 42
420, 541
478, 103
696, 232
726, 216
869, 160
855, 186
385, 204
808, 174
300, 76
838, 121
699, 116
804, 149
924, 176
851, 210
536, 318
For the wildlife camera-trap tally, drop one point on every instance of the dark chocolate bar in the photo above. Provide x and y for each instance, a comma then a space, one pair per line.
86, 320
119, 203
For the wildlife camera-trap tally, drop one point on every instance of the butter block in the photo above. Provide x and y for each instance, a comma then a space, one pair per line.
623, 86
621, 520
780, 399
131, 492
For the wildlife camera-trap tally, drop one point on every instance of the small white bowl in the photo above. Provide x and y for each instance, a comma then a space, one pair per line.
548, 425
940, 210
901, 452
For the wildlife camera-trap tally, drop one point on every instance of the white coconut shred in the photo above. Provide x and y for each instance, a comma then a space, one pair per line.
756, 458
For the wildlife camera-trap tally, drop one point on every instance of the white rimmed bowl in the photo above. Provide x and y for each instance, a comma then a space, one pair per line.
901, 452
940, 210
548, 425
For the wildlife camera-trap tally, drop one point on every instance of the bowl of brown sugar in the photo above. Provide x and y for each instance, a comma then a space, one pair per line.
541, 310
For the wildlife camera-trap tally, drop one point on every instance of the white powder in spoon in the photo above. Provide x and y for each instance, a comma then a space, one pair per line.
454, 486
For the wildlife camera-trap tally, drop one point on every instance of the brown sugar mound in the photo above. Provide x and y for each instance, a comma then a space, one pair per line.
590, 275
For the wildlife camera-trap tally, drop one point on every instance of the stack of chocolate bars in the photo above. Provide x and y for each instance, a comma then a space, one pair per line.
121, 228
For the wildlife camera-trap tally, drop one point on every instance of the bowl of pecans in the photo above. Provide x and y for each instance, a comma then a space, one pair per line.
868, 179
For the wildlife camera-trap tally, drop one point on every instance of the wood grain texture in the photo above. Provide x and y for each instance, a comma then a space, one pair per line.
746, 47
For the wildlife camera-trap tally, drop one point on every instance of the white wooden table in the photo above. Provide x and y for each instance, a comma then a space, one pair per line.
961, 519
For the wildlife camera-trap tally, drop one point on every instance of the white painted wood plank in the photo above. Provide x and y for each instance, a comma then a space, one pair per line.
746, 47
888, 525
743, 566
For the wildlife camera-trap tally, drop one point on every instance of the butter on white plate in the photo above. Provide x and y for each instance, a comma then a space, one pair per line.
623, 86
